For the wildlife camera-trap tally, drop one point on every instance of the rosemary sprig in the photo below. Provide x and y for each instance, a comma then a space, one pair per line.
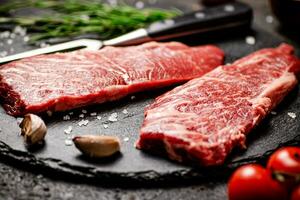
77, 17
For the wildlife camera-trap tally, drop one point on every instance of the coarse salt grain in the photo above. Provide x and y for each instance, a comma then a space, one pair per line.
68, 130
26, 39
3, 53
12, 35
250, 40
9, 41
83, 122
93, 114
292, 115
132, 97
70, 113
105, 126
66, 117
273, 113
19, 30
84, 111
126, 139
81, 115
68, 142
4, 34
113, 117
269, 19
99, 117
125, 111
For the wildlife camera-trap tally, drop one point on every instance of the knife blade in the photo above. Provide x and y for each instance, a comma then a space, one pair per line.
208, 20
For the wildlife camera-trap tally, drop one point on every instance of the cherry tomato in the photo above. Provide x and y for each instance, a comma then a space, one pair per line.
251, 182
285, 165
296, 193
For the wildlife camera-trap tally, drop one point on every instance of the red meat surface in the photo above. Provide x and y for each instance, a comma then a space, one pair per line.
63, 81
204, 119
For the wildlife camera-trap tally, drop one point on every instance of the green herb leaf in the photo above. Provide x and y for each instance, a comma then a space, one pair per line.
77, 17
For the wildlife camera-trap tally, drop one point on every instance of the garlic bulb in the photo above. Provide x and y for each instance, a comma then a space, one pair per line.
33, 129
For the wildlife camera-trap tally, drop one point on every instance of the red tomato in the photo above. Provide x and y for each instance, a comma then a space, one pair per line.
251, 182
296, 193
285, 165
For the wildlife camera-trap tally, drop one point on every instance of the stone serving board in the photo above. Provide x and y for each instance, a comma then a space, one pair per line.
135, 166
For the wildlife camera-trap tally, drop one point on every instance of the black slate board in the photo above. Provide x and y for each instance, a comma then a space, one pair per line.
133, 165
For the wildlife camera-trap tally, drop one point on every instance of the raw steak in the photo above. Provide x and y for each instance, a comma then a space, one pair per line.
63, 81
204, 119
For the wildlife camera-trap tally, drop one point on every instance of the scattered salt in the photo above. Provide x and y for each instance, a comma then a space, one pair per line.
83, 122
113, 117
68, 142
12, 35
125, 111
126, 139
26, 39
273, 113
4, 34
292, 115
66, 117
68, 130
105, 126
139, 4
3, 53
19, 30
81, 115
269, 19
229, 8
9, 41
250, 40
93, 114
84, 111
99, 117
132, 97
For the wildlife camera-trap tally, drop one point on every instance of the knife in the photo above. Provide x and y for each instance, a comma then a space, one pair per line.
209, 20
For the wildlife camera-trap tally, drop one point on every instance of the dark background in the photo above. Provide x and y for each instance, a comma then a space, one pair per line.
17, 183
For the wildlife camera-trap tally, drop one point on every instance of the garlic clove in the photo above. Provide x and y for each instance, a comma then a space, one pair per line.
33, 129
97, 145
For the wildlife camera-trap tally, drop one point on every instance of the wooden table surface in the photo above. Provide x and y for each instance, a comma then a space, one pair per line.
19, 183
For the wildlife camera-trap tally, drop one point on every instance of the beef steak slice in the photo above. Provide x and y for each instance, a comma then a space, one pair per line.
204, 119
64, 81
